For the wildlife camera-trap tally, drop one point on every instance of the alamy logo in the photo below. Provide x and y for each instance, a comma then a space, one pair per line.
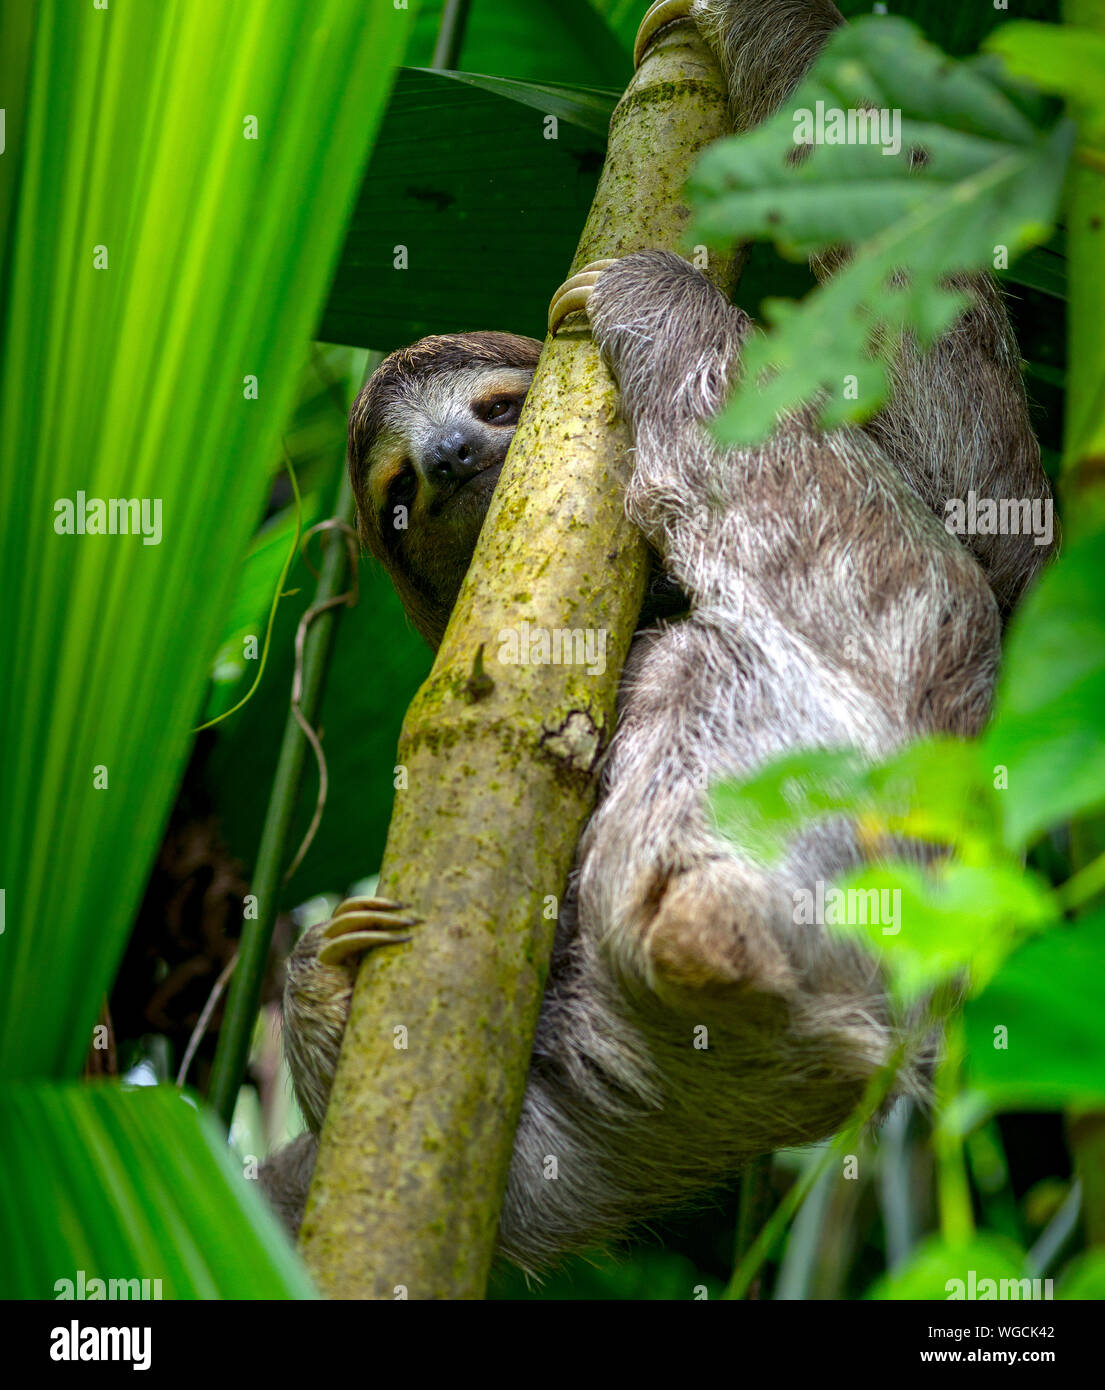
861, 125
84, 1287
849, 907
1000, 516
117, 516
77, 1343
1016, 1290
562, 646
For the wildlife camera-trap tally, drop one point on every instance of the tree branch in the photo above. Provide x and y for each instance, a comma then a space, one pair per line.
502, 774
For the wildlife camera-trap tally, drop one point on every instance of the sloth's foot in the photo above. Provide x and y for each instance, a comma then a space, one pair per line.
361, 923
706, 947
573, 294
319, 987
655, 317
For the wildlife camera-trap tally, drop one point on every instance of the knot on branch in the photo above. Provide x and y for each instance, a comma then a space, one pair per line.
575, 744
479, 684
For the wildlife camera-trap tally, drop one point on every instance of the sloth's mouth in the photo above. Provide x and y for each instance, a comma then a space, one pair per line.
482, 478
479, 485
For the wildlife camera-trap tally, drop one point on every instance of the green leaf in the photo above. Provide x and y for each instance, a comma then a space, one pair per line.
131, 1184
125, 378
956, 27
1084, 1277
935, 790
623, 18
929, 923
1049, 727
587, 108
1036, 1034
1043, 268
1067, 59
232, 674
992, 175
313, 442
947, 919
540, 41
488, 208
761, 813
937, 1270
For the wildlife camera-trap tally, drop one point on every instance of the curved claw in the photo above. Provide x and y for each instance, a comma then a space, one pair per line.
363, 904
382, 922
339, 950
656, 17
573, 294
358, 924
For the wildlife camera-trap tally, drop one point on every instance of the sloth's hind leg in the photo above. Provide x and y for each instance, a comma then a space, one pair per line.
682, 908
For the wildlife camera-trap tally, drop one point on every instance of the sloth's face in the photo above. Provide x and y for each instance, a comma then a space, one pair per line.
433, 466
440, 447
428, 434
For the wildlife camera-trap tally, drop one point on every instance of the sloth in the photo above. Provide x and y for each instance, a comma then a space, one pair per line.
690, 1023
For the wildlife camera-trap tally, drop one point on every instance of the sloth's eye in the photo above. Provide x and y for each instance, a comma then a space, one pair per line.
403, 486
503, 410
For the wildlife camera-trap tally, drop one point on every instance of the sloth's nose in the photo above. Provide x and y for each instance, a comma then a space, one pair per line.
454, 457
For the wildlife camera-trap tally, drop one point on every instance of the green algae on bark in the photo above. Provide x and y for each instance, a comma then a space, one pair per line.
414, 1154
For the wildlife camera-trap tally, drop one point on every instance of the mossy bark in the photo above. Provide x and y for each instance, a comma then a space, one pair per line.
501, 765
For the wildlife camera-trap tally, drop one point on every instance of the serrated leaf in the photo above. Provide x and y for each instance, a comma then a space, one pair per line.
1067, 59
930, 924
761, 813
936, 790
990, 177
934, 924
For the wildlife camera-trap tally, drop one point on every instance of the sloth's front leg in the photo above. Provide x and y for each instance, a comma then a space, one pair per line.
828, 609
676, 909
319, 986
672, 341
857, 607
